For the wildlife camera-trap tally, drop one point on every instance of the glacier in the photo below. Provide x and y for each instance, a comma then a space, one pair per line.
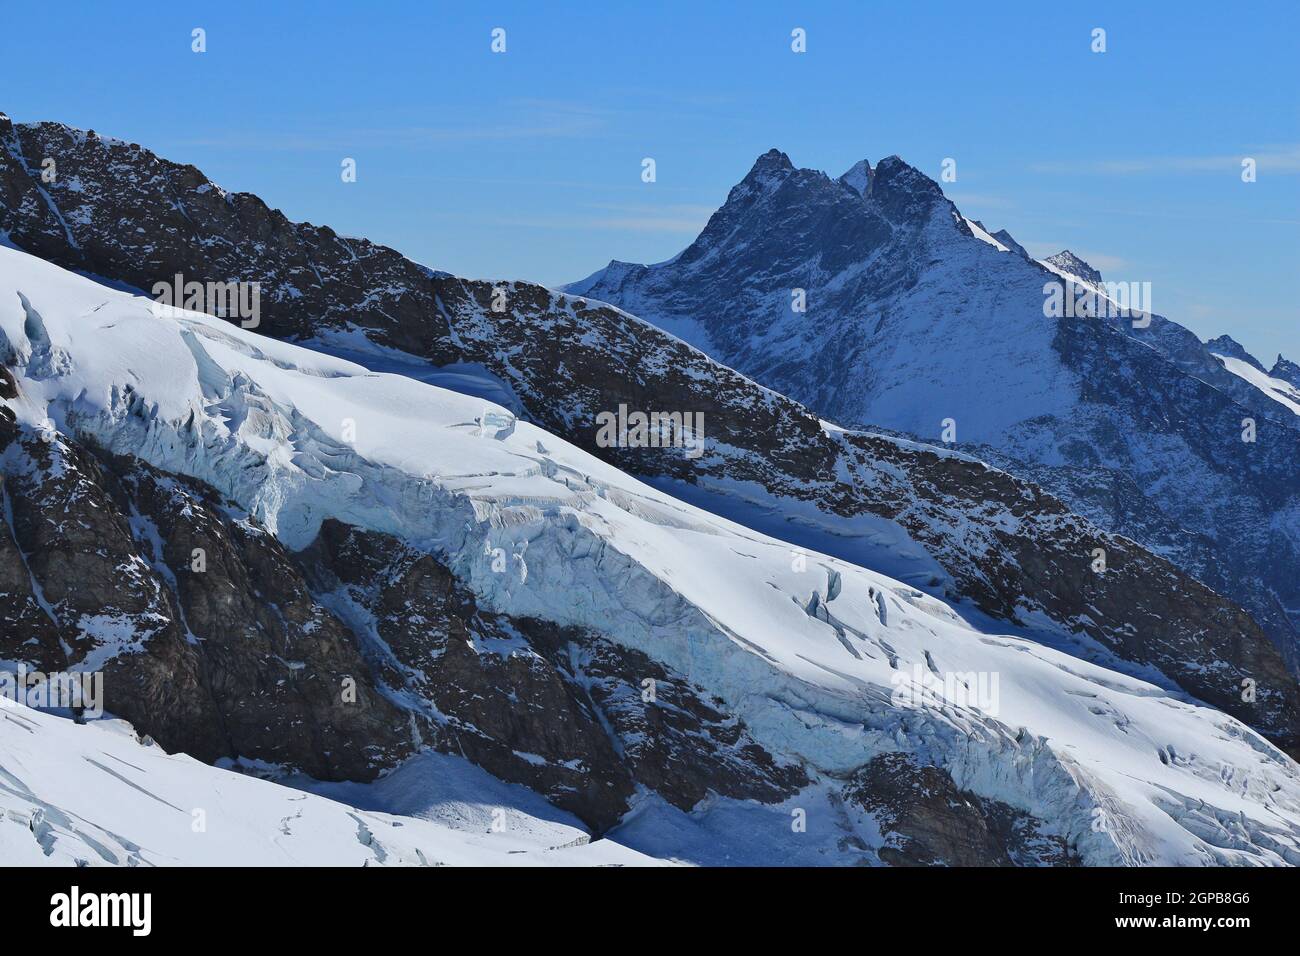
807, 649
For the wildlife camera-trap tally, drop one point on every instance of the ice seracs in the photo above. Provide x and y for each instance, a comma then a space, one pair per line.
297, 438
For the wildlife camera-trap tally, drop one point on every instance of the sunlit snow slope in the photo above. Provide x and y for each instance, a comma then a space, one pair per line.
94, 795
807, 655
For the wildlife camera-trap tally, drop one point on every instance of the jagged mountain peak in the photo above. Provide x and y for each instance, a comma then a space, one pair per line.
772, 163
775, 166
814, 212
1227, 345
893, 171
1009, 241
858, 177
1286, 370
895, 162
895, 177
1067, 261
616, 271
893, 309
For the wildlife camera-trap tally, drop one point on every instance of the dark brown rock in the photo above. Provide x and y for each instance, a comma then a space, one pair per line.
928, 821
234, 660
557, 709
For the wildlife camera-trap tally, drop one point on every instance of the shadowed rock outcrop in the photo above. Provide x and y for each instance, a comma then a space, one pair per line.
928, 821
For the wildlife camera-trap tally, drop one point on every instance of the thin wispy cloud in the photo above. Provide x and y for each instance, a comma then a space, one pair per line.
1284, 159
662, 222
675, 218
701, 211
533, 119
983, 200
649, 224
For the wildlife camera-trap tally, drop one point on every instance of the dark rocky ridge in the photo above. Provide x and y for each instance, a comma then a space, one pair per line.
118, 211
1067, 261
1007, 546
234, 660
1286, 370
1227, 345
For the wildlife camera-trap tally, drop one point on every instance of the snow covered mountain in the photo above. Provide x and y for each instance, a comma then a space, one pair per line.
1276, 384
507, 593
944, 524
661, 670
873, 301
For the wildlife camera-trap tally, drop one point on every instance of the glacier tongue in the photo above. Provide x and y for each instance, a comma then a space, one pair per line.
1122, 769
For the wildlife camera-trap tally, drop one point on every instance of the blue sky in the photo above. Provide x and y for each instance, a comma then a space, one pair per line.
527, 164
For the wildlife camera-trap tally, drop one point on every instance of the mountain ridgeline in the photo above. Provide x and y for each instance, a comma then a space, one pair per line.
912, 316
331, 556
118, 211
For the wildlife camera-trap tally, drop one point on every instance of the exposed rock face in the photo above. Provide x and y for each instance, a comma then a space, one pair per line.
1227, 345
931, 822
230, 660
184, 223
118, 211
1067, 261
675, 739
559, 710
1007, 240
1286, 370
339, 661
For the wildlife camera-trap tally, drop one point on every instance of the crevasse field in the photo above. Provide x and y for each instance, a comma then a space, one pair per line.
812, 654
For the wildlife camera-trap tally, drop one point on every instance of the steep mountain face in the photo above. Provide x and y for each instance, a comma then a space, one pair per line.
1004, 238
1067, 262
1286, 370
235, 659
932, 822
1227, 345
915, 321
941, 522
1251, 374
501, 594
